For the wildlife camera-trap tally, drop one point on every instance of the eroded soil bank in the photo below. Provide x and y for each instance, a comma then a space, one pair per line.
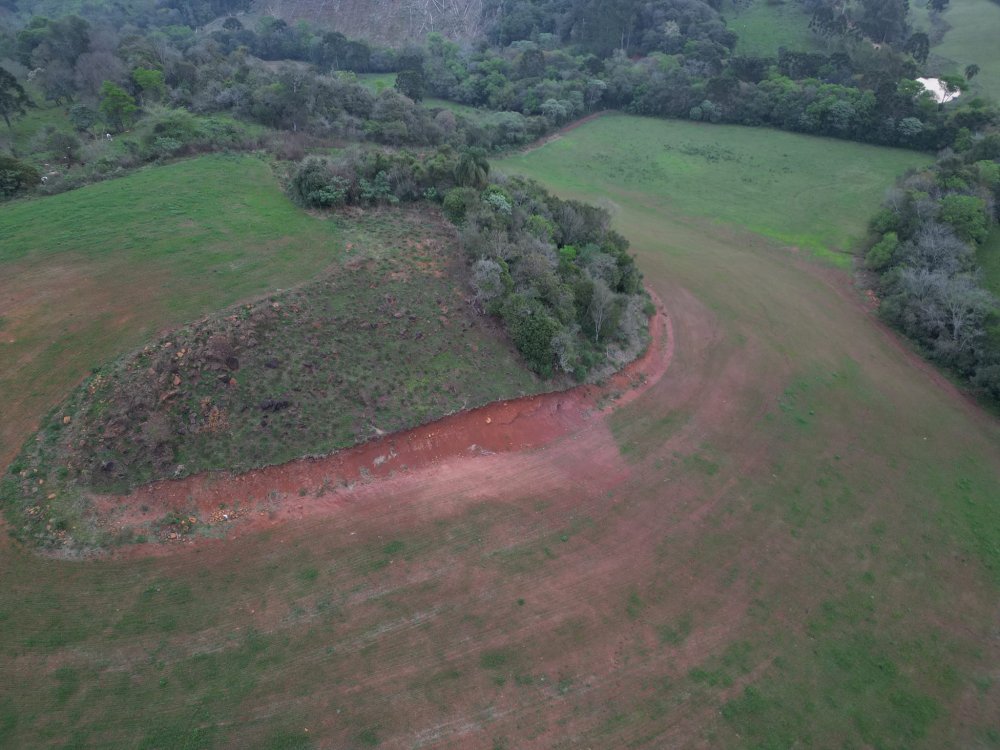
177, 514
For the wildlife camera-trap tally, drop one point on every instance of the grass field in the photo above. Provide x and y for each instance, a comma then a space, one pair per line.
791, 540
763, 28
377, 81
851, 498
93, 272
972, 39
784, 186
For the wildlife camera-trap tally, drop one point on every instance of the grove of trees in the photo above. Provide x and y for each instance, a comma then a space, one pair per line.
552, 271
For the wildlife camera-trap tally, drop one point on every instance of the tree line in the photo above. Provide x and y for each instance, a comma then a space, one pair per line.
924, 255
553, 272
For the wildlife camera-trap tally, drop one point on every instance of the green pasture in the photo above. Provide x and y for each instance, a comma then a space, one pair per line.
972, 38
377, 81
814, 194
93, 272
764, 27
865, 533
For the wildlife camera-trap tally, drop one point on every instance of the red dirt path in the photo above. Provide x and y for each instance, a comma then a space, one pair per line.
233, 505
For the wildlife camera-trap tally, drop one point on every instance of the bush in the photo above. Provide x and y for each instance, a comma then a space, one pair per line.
314, 185
882, 251
532, 329
457, 203
16, 177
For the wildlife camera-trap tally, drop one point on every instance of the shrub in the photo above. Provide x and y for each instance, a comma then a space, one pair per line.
313, 185
457, 203
532, 329
16, 177
967, 214
882, 251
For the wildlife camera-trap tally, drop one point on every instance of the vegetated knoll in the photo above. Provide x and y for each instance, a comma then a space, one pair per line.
388, 21
385, 341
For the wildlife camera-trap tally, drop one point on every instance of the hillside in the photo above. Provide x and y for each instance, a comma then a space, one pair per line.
383, 341
384, 21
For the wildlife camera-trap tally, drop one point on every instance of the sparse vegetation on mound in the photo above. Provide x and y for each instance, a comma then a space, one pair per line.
91, 274
385, 341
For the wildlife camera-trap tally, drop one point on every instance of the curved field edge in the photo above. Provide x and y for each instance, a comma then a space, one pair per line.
855, 491
174, 243
214, 506
814, 194
382, 342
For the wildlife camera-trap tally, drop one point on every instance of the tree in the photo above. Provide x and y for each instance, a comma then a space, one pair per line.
13, 99
472, 169
918, 45
602, 302
883, 20
971, 71
532, 330
411, 83
150, 83
938, 6
531, 64
82, 117
967, 214
117, 106
56, 82
15, 177
490, 280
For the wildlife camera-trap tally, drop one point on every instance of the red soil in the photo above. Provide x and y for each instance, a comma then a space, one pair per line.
233, 505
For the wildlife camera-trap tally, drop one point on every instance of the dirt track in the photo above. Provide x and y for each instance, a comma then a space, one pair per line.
231, 505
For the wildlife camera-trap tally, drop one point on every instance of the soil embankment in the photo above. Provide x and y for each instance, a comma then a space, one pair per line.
220, 505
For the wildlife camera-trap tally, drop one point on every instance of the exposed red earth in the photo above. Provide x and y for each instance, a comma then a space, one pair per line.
440, 452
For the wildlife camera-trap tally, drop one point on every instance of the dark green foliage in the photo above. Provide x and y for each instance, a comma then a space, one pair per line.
457, 203
569, 310
16, 177
14, 100
532, 329
411, 83
82, 117
930, 286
